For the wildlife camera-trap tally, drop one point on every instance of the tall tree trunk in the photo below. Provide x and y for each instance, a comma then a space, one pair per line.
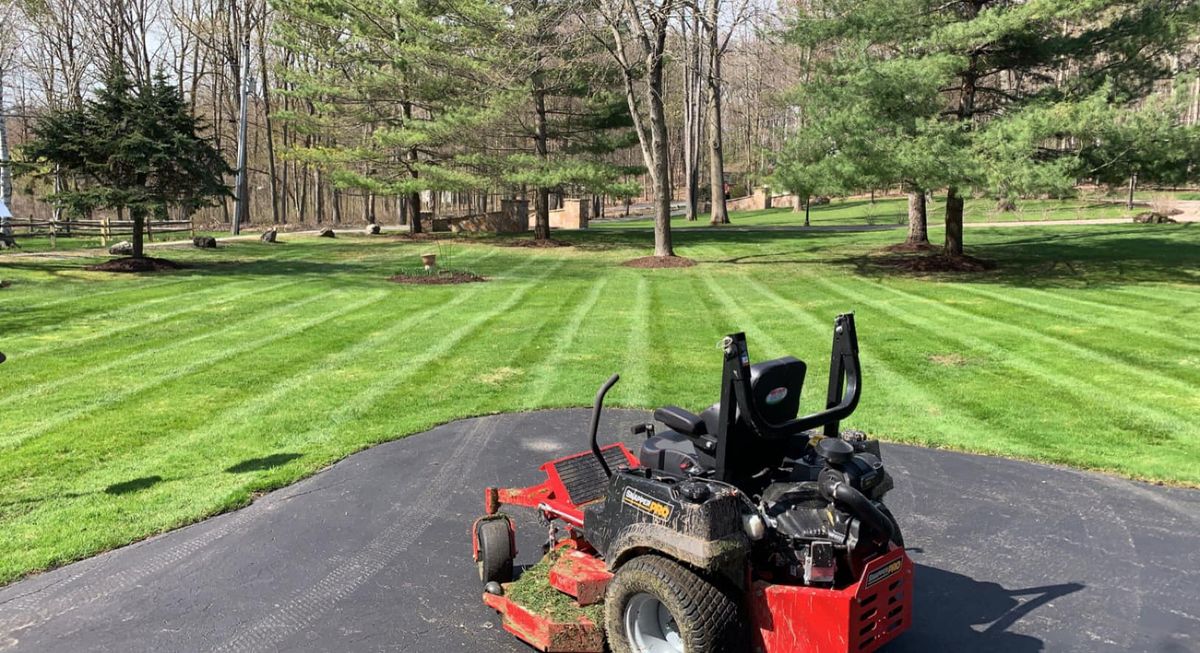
807, 209
656, 151
266, 99
965, 112
716, 156
662, 159
954, 222
139, 226
414, 198
5, 173
1132, 190
918, 224
541, 203
691, 115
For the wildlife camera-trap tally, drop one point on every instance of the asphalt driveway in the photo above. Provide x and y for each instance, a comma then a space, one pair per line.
373, 554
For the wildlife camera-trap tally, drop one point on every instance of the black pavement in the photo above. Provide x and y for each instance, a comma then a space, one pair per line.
373, 554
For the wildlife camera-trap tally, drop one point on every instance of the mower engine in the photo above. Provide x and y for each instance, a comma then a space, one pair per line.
810, 539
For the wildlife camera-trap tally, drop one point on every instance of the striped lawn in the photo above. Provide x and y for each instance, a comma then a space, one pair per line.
132, 405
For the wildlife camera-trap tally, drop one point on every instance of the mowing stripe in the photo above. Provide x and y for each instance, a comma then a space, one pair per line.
122, 311
1088, 353
103, 293
118, 361
192, 307
1090, 319
1080, 389
190, 368
170, 557
637, 351
565, 340
152, 456
889, 376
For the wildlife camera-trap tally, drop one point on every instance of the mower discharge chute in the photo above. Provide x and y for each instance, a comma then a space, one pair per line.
742, 528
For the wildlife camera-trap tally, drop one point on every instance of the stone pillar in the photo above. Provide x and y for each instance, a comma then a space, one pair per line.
762, 197
574, 214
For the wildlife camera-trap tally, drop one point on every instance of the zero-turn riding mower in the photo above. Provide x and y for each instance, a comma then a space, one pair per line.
742, 528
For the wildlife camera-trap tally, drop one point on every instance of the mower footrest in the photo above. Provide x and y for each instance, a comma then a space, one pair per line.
580, 575
543, 632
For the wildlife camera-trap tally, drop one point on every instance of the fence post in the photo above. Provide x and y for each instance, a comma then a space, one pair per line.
192, 226
149, 233
104, 234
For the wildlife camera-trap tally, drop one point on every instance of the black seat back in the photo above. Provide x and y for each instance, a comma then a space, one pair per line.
775, 387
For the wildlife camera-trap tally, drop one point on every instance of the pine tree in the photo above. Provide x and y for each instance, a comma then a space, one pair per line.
994, 59
134, 148
394, 88
567, 120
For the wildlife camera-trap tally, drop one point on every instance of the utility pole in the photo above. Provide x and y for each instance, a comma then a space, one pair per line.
241, 213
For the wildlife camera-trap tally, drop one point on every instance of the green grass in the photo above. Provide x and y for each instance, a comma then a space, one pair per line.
894, 211
135, 404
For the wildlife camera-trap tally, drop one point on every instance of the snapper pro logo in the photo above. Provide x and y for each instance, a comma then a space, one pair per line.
648, 505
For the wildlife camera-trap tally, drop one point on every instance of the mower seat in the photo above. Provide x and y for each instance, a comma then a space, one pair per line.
783, 378
674, 453
691, 444
681, 420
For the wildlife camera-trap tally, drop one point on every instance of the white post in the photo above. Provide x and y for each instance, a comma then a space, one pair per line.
241, 213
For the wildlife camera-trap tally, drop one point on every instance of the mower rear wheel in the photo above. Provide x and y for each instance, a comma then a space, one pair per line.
495, 551
656, 605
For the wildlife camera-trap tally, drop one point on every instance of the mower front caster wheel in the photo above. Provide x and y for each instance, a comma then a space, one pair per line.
656, 605
495, 551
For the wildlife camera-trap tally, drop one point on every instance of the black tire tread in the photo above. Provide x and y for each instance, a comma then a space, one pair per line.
707, 617
495, 551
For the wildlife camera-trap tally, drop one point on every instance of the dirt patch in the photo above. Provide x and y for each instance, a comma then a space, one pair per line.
533, 242
651, 262
948, 360
131, 264
436, 279
930, 263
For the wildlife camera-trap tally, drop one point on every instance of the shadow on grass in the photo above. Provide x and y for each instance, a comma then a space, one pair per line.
1093, 258
953, 612
262, 464
135, 485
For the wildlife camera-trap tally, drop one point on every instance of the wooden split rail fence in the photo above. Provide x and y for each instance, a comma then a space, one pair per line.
107, 230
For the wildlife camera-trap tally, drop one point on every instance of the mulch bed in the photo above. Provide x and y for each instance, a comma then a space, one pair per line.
908, 248
424, 235
659, 262
438, 279
533, 242
130, 264
934, 263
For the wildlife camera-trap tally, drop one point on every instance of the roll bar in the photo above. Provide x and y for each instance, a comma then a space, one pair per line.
845, 388
597, 406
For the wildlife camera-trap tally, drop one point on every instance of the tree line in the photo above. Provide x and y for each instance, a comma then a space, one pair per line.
1011, 99
375, 109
